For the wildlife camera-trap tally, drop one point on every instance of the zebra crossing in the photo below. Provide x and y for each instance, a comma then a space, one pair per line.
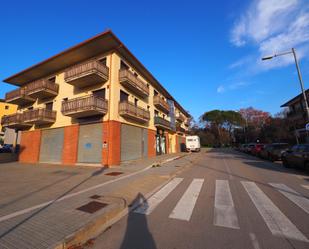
225, 212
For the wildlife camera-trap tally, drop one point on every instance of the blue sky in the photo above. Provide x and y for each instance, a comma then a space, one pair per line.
206, 53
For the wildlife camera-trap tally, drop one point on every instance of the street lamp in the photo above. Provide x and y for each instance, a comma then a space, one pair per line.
298, 72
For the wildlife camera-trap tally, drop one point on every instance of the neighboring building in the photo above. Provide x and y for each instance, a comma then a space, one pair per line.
296, 116
7, 135
94, 103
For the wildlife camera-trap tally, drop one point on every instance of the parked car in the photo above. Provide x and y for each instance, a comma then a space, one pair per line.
6, 148
273, 152
243, 147
257, 149
250, 147
193, 143
297, 156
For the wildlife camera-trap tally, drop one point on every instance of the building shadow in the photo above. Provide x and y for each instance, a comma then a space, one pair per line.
137, 235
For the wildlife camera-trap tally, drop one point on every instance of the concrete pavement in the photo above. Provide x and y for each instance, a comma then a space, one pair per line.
234, 201
55, 206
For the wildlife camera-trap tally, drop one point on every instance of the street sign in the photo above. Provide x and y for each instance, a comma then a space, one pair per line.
307, 127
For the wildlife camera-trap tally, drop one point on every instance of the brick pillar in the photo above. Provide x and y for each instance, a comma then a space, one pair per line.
70, 144
167, 142
111, 143
30, 146
151, 143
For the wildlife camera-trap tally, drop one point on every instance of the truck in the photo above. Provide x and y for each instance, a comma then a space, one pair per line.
193, 143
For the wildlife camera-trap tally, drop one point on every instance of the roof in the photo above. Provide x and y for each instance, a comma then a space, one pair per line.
101, 43
295, 99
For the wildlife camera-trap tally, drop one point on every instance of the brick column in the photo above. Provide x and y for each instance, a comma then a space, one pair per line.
151, 143
30, 146
167, 142
70, 144
111, 143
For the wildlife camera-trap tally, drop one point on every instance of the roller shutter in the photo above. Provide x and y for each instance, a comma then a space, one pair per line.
90, 143
131, 142
52, 145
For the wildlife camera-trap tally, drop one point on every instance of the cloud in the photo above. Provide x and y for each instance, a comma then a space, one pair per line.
272, 26
220, 89
232, 86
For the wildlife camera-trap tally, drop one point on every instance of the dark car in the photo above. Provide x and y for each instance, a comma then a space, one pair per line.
297, 156
7, 148
257, 149
250, 147
273, 151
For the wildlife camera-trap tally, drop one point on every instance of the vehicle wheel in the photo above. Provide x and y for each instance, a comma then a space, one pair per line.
285, 163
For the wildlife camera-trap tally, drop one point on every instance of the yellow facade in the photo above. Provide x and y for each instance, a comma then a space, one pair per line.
6, 109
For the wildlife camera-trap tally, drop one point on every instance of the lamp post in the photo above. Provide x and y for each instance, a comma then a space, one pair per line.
299, 76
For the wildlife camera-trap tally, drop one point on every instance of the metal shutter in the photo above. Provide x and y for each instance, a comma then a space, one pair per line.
52, 145
131, 142
90, 143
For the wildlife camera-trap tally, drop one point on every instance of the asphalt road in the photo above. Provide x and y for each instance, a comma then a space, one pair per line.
225, 200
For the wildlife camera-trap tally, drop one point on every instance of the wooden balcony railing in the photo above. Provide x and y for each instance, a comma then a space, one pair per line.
14, 121
86, 74
129, 110
39, 116
161, 122
84, 106
180, 117
161, 104
130, 81
18, 97
180, 129
42, 89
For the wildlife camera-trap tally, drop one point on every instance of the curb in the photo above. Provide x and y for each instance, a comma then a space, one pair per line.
95, 227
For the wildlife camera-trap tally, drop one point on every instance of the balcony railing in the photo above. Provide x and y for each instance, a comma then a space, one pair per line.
161, 104
39, 116
180, 129
14, 121
18, 97
134, 84
86, 74
161, 122
90, 105
129, 110
42, 89
180, 117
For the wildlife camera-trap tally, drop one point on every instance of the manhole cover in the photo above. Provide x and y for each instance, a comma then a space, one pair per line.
95, 196
114, 173
92, 207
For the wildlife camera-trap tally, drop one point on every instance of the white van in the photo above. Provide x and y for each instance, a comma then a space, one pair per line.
193, 143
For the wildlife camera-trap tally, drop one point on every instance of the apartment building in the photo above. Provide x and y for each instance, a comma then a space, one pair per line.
8, 136
94, 103
296, 116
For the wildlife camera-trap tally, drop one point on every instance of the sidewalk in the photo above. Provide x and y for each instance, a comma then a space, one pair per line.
56, 206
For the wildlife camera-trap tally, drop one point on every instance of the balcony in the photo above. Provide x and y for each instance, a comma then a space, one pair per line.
296, 115
134, 84
15, 121
42, 89
161, 104
40, 116
179, 128
84, 107
130, 111
87, 74
18, 97
179, 117
162, 123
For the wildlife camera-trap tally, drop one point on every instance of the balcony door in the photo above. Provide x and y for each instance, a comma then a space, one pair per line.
99, 93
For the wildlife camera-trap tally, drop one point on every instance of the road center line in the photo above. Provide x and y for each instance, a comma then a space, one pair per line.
185, 205
225, 213
276, 221
148, 206
293, 196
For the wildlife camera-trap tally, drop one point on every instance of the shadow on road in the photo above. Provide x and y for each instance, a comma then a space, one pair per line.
137, 233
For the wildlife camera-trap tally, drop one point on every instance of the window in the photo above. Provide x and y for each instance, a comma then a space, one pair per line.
123, 66
124, 97
135, 101
6, 107
155, 93
103, 61
163, 116
99, 93
156, 113
49, 106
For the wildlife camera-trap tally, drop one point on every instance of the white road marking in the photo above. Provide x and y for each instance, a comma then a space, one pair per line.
148, 206
305, 186
276, 221
225, 214
254, 241
228, 169
293, 196
185, 205
67, 196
